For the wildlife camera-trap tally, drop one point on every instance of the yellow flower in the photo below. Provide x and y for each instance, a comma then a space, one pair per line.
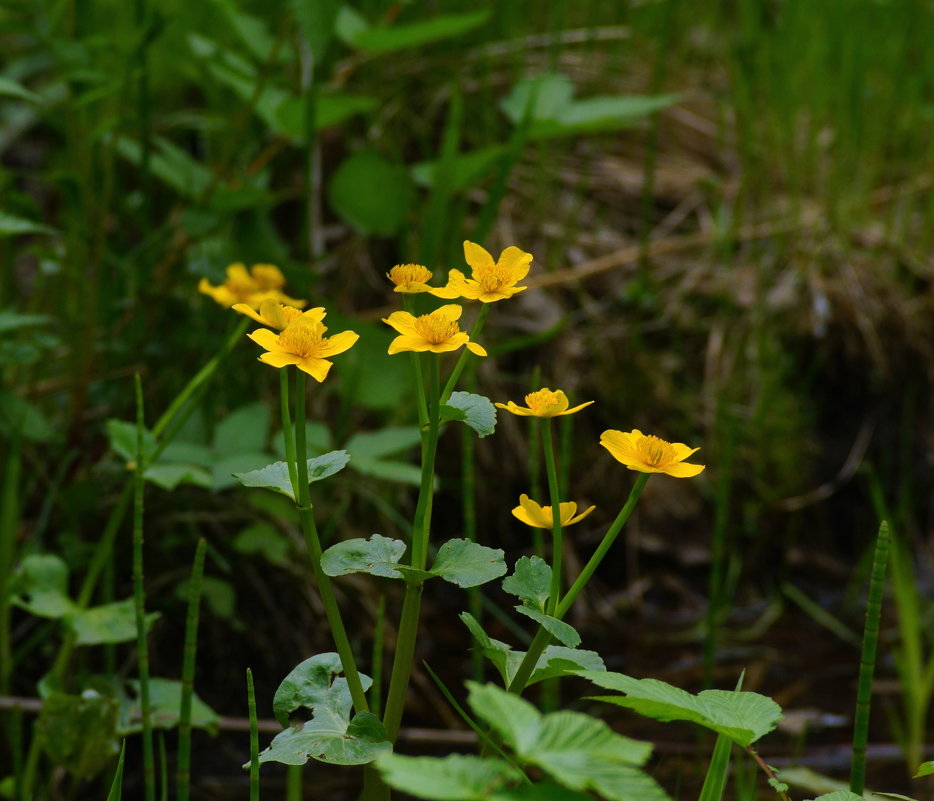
537, 516
411, 279
490, 281
437, 332
262, 282
277, 316
649, 454
543, 403
303, 344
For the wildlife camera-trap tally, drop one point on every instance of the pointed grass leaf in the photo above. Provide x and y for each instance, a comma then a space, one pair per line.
373, 39
552, 92
11, 320
116, 787
275, 476
12, 226
452, 778
718, 770
107, 623
561, 631
11, 88
473, 410
330, 737
78, 731
377, 556
352, 196
596, 114
165, 703
316, 20
40, 586
530, 581
742, 716
312, 683
468, 564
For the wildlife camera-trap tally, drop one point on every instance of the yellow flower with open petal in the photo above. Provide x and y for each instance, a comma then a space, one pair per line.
650, 454
261, 282
490, 281
303, 344
437, 332
411, 279
543, 403
277, 316
532, 514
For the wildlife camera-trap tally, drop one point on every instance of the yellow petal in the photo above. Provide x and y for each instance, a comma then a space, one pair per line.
620, 445
683, 469
403, 322
408, 342
516, 261
279, 359
473, 347
514, 409
267, 339
576, 408
450, 312
476, 256
338, 343
531, 513
316, 368
682, 451
245, 308
580, 517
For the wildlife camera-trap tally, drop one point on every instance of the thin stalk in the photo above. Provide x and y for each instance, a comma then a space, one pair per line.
557, 544
9, 522
541, 639
465, 354
139, 598
767, 770
867, 662
287, 429
411, 602
188, 673
469, 517
716, 582
254, 737
163, 769
116, 787
376, 662
293, 783
309, 529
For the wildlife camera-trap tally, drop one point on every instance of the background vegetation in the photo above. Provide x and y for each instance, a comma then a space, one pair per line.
730, 207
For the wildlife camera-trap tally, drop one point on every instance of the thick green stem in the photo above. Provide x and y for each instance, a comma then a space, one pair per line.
188, 673
287, 429
540, 642
867, 663
139, 597
465, 354
309, 529
411, 603
557, 544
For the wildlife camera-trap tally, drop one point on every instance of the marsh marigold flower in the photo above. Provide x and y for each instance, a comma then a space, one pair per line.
490, 281
275, 315
303, 344
437, 332
649, 454
261, 282
532, 514
543, 403
410, 279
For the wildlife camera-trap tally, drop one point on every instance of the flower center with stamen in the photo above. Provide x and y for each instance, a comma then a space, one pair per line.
655, 451
302, 340
436, 329
492, 278
405, 274
541, 399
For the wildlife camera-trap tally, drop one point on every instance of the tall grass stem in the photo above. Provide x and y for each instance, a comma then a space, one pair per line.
188, 672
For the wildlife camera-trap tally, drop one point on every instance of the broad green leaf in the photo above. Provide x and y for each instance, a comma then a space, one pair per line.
452, 778
169, 476
244, 430
576, 750
742, 716
552, 92
386, 441
312, 683
468, 564
122, 437
12, 226
561, 631
316, 20
538, 792
77, 732
275, 476
223, 468
839, 795
530, 581
475, 411
253, 32
329, 737
165, 700
601, 114
11, 88
378, 556
925, 769
107, 623
389, 469
465, 171
353, 195
11, 320
40, 586
401, 36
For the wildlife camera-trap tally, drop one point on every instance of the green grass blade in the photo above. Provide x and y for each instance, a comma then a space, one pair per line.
867, 662
717, 772
254, 737
116, 788
188, 673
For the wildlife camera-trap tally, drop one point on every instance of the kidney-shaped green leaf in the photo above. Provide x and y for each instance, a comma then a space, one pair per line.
40, 586
530, 582
378, 556
468, 564
314, 682
452, 778
107, 623
275, 476
372, 194
330, 737
473, 410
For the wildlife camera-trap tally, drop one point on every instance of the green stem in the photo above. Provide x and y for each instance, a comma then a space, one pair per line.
254, 737
557, 545
465, 354
188, 673
139, 598
411, 603
540, 642
309, 529
287, 429
9, 523
867, 661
